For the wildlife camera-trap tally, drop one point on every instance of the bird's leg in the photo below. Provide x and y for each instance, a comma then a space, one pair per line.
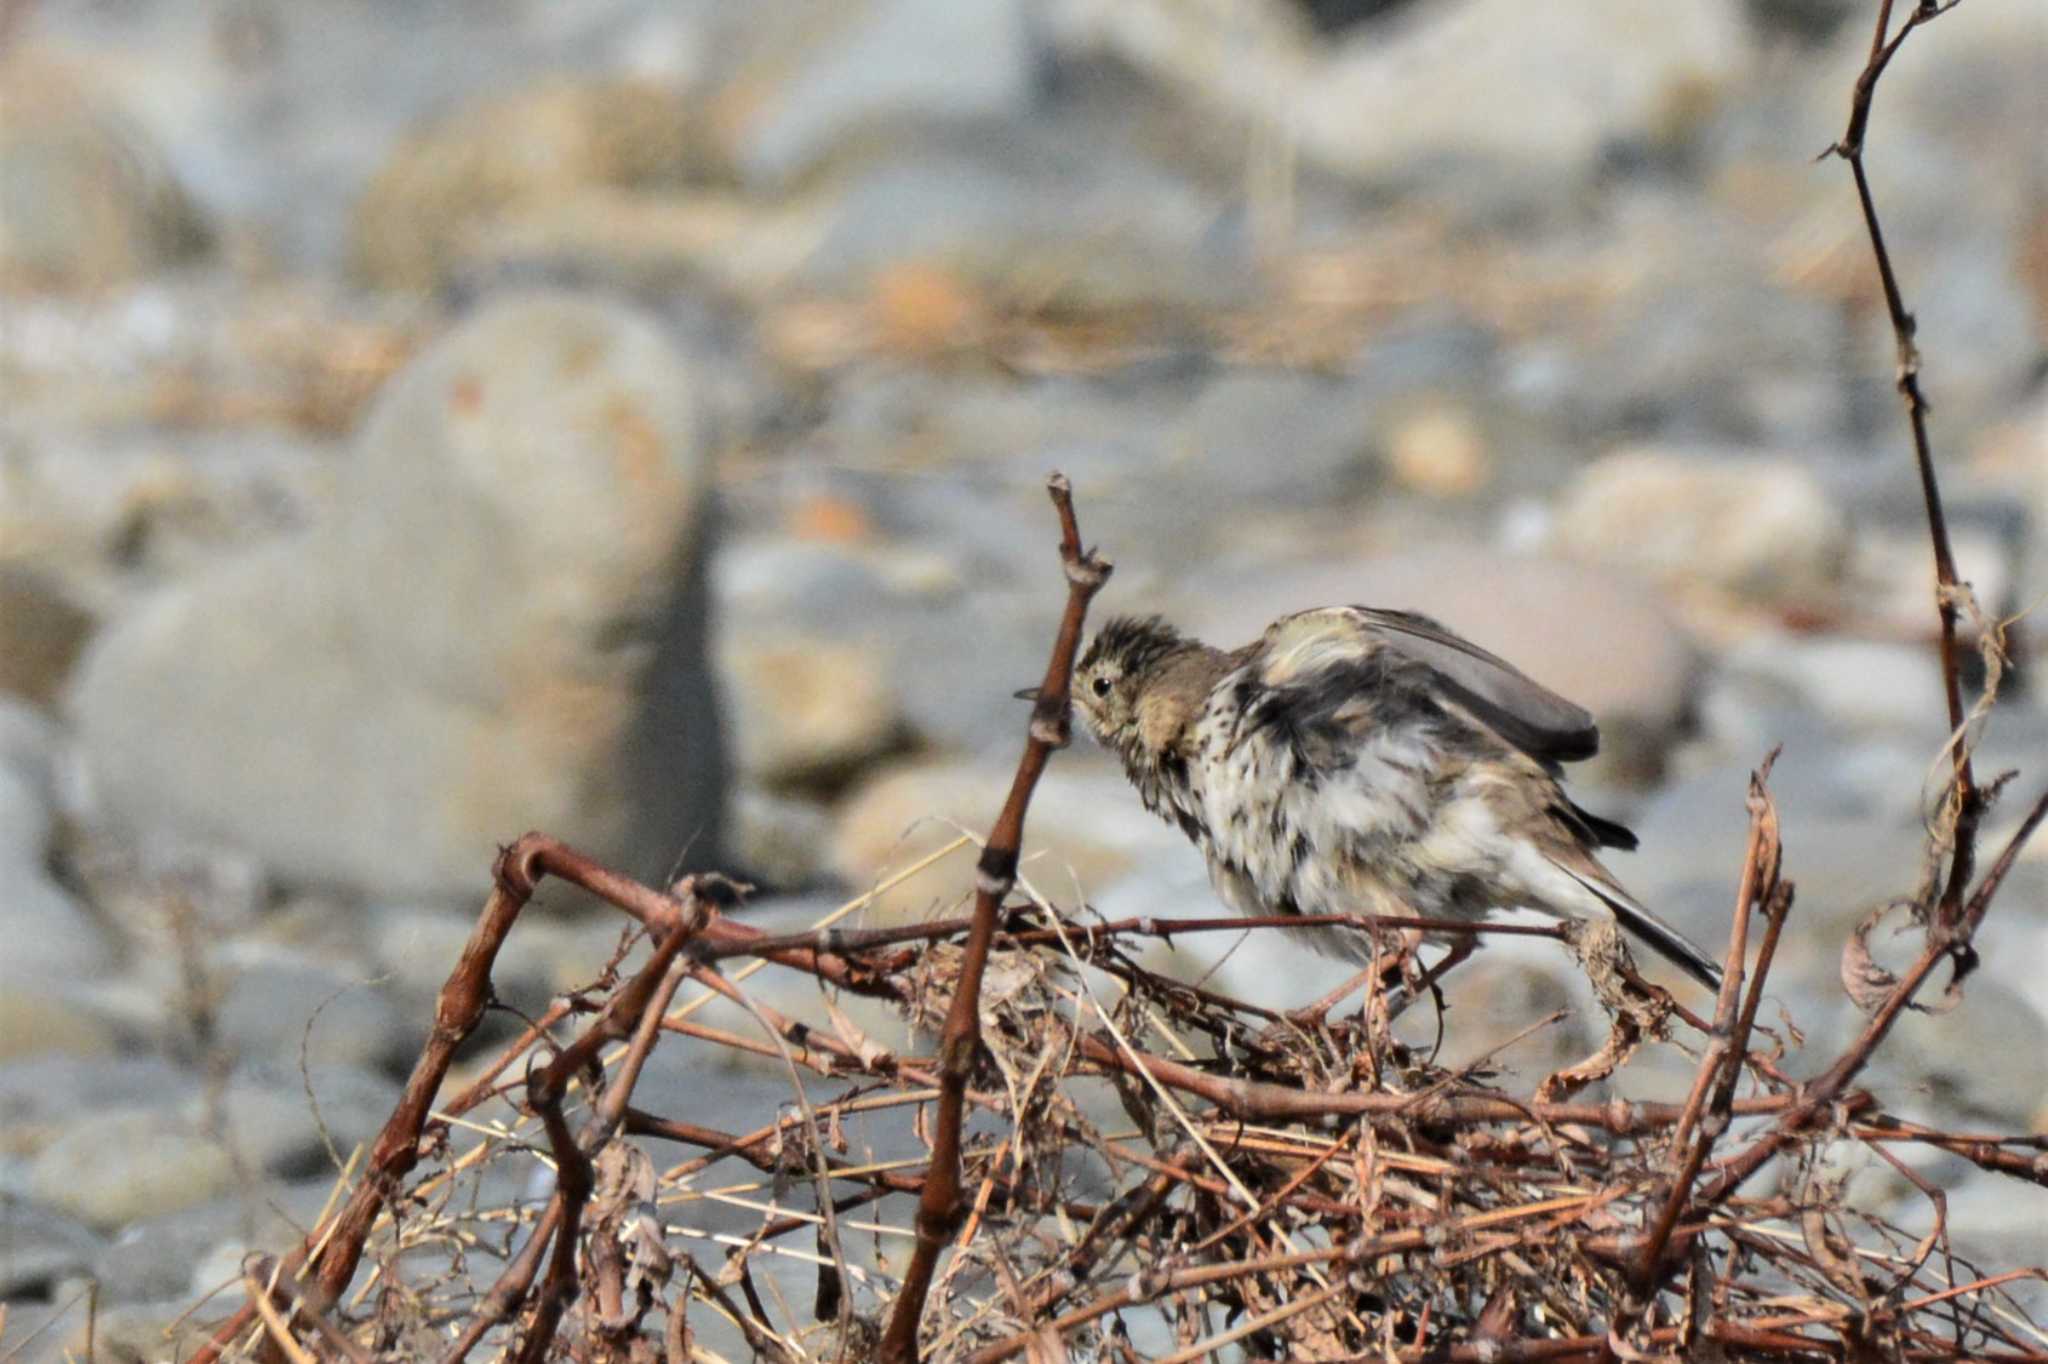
1416, 982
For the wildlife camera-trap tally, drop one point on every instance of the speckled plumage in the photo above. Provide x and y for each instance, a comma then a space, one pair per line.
1362, 761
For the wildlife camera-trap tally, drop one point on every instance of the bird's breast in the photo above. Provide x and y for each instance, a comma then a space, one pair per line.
1317, 834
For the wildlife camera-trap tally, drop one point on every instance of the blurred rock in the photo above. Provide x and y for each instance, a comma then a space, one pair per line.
499, 628
50, 938
805, 711
39, 1247
1439, 451
119, 1164
840, 70
36, 1022
41, 633
86, 201
285, 1123
1760, 529
1032, 213
488, 163
779, 841
1430, 82
1948, 101
1973, 1068
1086, 828
42, 1097
904, 603
1586, 634
1278, 435
156, 1259
102, 511
1857, 684
275, 1009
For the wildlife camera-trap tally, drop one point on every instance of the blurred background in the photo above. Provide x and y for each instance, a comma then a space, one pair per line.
423, 423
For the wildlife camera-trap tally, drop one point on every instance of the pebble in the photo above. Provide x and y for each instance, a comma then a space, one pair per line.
275, 1009
39, 1248
1428, 83
296, 1125
118, 1164
806, 711
780, 842
485, 165
1761, 530
50, 937
842, 73
86, 198
39, 1022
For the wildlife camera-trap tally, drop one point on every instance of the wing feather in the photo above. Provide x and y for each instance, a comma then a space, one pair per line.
1496, 693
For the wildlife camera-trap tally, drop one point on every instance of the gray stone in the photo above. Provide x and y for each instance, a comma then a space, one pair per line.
499, 628
42, 1096
116, 1165
50, 938
86, 200
872, 62
1430, 82
483, 167
1047, 217
276, 1009
38, 1247
155, 1259
274, 1119
806, 710
1974, 1068
1764, 530
779, 841
1242, 417
1858, 684
39, 1022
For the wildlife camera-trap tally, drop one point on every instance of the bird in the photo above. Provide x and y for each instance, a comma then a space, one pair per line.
1363, 761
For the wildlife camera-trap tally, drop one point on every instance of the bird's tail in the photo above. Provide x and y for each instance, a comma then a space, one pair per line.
1669, 943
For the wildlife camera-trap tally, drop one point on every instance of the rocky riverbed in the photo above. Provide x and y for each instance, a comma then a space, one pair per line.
630, 420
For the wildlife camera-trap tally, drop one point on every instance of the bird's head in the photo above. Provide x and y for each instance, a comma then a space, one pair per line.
1121, 666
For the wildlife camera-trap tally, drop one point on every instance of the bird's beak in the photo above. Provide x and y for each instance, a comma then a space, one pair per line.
1026, 694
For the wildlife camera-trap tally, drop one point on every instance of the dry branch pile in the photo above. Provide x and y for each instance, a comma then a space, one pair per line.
1099, 1163
1271, 1187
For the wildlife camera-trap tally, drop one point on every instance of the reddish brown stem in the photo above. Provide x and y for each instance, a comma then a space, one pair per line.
1729, 1042
1968, 798
939, 1208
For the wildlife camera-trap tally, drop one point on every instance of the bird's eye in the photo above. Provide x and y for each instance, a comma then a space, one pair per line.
1100, 686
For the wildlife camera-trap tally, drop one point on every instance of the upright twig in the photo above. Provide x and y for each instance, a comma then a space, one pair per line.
995, 873
1968, 799
1713, 1090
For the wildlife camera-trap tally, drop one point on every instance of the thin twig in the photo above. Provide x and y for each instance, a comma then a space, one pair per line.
995, 873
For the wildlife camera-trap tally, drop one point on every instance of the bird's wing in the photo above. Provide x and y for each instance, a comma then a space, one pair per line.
1493, 691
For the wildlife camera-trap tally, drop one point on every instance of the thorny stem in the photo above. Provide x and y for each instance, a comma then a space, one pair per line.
939, 1206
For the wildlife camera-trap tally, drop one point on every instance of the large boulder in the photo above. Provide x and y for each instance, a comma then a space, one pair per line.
500, 628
